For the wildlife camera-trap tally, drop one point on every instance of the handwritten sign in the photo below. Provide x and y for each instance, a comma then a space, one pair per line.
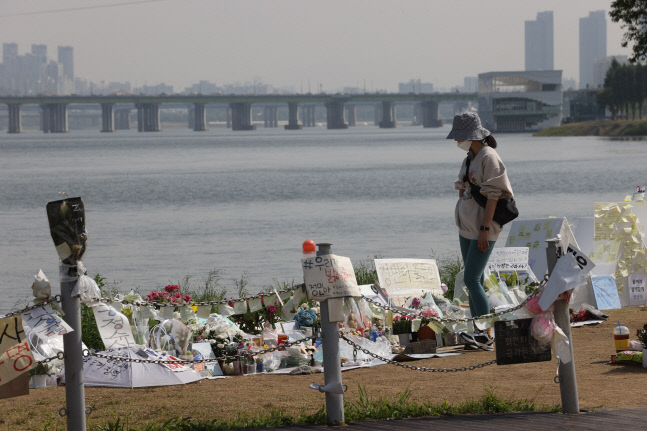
637, 289
329, 276
509, 258
114, 327
515, 344
403, 278
606, 292
533, 234
15, 354
45, 323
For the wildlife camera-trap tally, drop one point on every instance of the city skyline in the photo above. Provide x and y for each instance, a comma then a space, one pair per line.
310, 47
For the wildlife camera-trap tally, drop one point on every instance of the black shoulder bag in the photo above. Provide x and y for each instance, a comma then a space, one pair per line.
506, 208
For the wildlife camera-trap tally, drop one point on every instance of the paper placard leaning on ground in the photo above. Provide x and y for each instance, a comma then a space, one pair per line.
509, 258
329, 276
403, 278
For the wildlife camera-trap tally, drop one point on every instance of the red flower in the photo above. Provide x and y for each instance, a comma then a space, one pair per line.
172, 288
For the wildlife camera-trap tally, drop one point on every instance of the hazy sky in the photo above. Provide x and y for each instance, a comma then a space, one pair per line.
332, 43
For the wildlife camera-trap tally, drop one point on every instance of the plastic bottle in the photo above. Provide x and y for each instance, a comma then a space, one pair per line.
621, 337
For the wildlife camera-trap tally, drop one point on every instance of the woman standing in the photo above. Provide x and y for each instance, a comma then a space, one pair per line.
477, 231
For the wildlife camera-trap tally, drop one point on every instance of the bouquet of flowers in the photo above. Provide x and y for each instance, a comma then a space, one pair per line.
224, 338
308, 317
171, 294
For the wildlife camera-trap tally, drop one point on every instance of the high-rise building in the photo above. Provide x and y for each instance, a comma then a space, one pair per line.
593, 45
66, 58
9, 52
40, 52
539, 42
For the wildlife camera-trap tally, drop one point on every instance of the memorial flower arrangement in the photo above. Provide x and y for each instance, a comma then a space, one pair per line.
225, 339
170, 294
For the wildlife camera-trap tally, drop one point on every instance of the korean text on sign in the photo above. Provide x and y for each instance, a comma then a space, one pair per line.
15, 354
329, 276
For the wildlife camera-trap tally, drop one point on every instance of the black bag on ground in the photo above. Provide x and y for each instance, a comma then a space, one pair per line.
506, 209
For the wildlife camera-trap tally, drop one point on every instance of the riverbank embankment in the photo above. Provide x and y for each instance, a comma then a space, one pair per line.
598, 128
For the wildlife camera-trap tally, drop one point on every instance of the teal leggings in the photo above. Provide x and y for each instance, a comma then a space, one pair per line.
475, 262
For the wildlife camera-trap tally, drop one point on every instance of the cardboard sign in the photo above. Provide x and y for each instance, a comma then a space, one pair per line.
606, 292
15, 388
329, 276
403, 278
515, 345
637, 289
15, 354
114, 327
509, 258
45, 323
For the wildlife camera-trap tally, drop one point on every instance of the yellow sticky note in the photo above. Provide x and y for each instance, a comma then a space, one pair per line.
511, 239
522, 229
552, 217
626, 230
627, 207
601, 247
624, 272
537, 227
547, 225
628, 198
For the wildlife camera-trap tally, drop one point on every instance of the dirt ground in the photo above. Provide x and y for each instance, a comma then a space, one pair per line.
600, 384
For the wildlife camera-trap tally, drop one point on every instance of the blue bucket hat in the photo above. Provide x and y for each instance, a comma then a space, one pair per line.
467, 127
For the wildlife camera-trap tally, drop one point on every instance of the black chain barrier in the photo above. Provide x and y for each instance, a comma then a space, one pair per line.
413, 367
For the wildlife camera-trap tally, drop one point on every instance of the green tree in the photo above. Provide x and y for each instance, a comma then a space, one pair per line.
633, 16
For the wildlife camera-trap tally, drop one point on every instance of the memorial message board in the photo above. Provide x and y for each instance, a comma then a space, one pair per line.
515, 345
329, 276
404, 278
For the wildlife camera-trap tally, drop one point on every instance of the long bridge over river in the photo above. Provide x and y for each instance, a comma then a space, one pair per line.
340, 109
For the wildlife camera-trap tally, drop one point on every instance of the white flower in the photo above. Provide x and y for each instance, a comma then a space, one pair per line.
212, 341
220, 346
221, 336
315, 310
176, 315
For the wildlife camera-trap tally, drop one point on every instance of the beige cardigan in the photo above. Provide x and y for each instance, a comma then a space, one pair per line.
487, 171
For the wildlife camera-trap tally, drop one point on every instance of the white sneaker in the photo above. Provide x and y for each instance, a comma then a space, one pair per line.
477, 341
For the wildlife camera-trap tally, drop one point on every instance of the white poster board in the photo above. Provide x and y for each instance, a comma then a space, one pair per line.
509, 258
637, 289
533, 234
403, 278
329, 276
606, 292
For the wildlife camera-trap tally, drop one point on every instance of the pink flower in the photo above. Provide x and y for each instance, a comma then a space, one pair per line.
415, 302
272, 309
187, 298
429, 312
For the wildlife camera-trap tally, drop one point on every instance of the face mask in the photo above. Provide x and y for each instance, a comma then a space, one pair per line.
464, 145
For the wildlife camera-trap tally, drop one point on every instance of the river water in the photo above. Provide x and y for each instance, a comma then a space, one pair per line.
160, 206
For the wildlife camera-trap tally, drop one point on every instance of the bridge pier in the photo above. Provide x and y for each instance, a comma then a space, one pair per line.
271, 116
228, 110
122, 119
54, 118
241, 116
293, 117
148, 117
107, 117
388, 115
351, 112
15, 123
309, 119
199, 117
378, 114
335, 115
430, 115
417, 114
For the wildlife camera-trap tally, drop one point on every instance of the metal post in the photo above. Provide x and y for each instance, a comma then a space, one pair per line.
567, 378
331, 357
74, 389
